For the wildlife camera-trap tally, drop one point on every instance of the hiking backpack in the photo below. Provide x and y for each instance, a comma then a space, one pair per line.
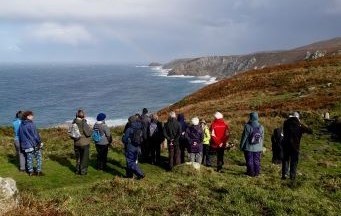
152, 129
74, 132
137, 136
96, 135
256, 135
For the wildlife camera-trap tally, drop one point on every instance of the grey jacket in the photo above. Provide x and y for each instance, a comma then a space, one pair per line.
105, 133
245, 144
85, 131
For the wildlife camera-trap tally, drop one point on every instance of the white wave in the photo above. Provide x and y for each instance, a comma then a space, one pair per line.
198, 81
205, 79
142, 66
180, 76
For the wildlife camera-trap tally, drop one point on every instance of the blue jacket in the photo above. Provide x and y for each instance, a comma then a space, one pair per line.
245, 143
28, 135
128, 135
16, 125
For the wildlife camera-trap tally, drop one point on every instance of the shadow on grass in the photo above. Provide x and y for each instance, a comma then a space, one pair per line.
109, 169
64, 161
13, 159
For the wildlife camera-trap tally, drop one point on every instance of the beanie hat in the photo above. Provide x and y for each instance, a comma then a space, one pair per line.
101, 117
218, 115
254, 116
195, 121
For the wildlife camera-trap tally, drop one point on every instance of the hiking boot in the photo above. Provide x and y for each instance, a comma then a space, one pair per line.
31, 173
140, 177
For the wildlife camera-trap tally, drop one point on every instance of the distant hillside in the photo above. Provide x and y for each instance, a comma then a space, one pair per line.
308, 86
224, 66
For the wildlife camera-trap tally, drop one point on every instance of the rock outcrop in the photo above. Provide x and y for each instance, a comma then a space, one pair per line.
8, 195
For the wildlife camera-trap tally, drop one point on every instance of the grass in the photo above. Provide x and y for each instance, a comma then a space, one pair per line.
185, 191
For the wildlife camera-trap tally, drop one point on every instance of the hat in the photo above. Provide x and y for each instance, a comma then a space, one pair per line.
195, 121
296, 114
254, 116
101, 117
144, 111
218, 115
172, 114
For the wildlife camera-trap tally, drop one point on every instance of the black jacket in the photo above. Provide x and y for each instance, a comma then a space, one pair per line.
172, 130
293, 130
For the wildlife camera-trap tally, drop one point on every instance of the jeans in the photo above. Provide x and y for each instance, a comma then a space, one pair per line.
30, 156
205, 152
82, 159
195, 157
290, 158
20, 155
220, 157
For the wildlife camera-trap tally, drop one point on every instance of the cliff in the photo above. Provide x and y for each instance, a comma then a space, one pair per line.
225, 66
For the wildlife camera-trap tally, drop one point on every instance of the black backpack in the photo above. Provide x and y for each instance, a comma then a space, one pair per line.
137, 136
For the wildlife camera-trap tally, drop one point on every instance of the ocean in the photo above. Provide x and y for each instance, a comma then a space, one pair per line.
54, 92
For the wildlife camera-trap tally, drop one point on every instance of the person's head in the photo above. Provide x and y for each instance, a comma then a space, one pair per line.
253, 116
154, 117
195, 121
296, 114
28, 115
144, 111
101, 117
218, 115
181, 117
132, 119
172, 115
80, 114
202, 122
19, 114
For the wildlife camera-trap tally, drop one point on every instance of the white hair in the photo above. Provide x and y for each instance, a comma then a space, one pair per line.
195, 121
218, 115
172, 114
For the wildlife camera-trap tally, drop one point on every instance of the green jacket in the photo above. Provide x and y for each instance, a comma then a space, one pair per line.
207, 135
85, 131
245, 144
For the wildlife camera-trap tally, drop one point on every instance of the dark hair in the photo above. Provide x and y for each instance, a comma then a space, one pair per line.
27, 113
80, 114
19, 114
144, 111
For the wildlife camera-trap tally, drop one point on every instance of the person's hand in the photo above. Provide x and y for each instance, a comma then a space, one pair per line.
221, 145
195, 143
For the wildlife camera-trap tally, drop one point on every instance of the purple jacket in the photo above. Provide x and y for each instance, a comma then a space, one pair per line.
28, 135
194, 134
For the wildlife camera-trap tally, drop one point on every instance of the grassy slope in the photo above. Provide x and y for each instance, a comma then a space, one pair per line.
184, 191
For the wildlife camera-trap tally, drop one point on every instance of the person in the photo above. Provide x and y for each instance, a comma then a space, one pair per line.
206, 141
145, 146
82, 144
172, 132
276, 141
292, 130
183, 143
155, 137
219, 137
20, 154
252, 144
30, 143
132, 139
103, 144
195, 136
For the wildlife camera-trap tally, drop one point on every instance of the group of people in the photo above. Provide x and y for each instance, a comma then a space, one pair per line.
144, 134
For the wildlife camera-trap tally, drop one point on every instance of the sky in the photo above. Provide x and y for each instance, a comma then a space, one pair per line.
123, 31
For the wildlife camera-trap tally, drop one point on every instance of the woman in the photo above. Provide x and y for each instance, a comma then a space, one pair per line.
182, 140
82, 144
30, 143
252, 144
206, 141
194, 136
103, 143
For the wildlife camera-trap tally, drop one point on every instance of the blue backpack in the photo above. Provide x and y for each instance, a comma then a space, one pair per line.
96, 135
256, 135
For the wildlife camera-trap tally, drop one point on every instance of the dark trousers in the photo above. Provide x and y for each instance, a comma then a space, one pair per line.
82, 159
220, 157
252, 163
132, 163
290, 158
145, 151
205, 152
174, 155
182, 145
102, 154
155, 151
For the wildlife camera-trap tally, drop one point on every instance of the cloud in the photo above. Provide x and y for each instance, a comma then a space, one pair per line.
71, 34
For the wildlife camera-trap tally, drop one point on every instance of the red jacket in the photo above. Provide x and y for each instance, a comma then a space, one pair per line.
220, 131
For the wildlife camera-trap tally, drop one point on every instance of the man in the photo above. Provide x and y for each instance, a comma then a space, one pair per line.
145, 146
277, 150
19, 152
155, 138
172, 132
292, 130
219, 138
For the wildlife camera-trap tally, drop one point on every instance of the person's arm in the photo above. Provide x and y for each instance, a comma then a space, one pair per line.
86, 129
243, 140
107, 133
305, 129
165, 133
35, 134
